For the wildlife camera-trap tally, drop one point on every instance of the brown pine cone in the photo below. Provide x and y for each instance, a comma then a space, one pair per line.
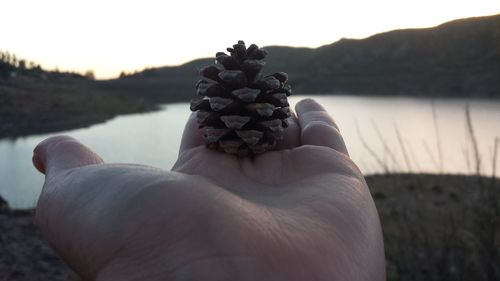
242, 111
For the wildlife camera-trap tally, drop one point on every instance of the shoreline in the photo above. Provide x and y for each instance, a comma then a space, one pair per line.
31, 106
77, 122
11, 128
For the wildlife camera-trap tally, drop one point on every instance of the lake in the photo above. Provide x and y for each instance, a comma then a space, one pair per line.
382, 134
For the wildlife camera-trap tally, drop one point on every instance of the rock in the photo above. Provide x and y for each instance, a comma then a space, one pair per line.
4, 206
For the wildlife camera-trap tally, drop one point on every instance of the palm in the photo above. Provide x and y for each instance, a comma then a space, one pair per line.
283, 215
273, 169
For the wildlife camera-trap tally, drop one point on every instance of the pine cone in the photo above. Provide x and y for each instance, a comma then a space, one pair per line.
242, 111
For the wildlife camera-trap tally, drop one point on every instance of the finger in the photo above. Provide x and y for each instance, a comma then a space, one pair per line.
317, 126
61, 153
192, 135
291, 135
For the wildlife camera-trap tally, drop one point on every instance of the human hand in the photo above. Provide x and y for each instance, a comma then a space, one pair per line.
300, 213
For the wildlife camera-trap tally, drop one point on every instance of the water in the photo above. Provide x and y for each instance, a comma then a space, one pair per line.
154, 138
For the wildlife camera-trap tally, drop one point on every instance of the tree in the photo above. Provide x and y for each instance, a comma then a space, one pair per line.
89, 74
22, 64
7, 57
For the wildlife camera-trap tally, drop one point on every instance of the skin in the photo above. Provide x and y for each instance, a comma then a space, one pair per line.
303, 212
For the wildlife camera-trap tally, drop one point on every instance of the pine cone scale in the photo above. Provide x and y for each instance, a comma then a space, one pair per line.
261, 109
221, 104
246, 94
235, 121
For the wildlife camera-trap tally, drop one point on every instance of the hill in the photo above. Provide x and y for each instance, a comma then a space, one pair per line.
460, 58
34, 100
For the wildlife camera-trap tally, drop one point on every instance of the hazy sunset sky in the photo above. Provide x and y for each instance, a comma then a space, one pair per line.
111, 36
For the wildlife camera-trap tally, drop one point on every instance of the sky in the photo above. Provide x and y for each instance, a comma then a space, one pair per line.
110, 36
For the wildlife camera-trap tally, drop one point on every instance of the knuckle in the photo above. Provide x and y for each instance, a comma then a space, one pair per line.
307, 101
323, 116
51, 141
61, 143
320, 127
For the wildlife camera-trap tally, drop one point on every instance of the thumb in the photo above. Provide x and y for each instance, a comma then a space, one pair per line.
61, 153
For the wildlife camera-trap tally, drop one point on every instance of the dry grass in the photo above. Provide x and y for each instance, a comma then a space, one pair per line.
439, 227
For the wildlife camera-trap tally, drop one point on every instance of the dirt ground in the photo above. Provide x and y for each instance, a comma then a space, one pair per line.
24, 255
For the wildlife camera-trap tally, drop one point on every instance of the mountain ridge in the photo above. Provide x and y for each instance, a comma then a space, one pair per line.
460, 58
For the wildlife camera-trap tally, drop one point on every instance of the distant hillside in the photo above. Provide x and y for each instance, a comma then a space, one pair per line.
458, 58
34, 100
